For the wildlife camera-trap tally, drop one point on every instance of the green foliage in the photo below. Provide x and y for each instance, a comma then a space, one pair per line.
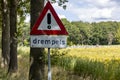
117, 35
23, 28
23, 34
83, 33
61, 3
23, 8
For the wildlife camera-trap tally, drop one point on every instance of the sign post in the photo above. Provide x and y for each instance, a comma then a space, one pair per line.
49, 65
48, 32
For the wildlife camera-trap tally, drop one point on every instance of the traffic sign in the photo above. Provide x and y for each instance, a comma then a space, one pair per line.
48, 23
48, 31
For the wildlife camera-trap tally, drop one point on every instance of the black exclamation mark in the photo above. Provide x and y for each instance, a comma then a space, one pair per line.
49, 20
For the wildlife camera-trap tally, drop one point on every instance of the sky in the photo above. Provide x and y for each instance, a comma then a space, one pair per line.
90, 10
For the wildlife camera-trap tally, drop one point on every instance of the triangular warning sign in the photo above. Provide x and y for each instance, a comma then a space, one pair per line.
48, 23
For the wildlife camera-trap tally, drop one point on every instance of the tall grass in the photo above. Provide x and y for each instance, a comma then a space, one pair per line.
23, 66
98, 63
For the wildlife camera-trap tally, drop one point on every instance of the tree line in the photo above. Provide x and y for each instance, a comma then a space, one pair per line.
81, 33
96, 33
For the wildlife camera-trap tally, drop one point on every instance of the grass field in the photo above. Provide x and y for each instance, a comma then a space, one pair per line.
97, 63
85, 63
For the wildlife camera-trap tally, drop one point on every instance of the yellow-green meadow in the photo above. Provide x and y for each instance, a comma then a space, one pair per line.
87, 62
95, 62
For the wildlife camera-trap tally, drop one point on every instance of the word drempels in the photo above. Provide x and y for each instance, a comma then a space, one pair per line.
48, 41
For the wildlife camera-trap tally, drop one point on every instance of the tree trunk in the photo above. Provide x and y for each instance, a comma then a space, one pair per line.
5, 32
0, 19
110, 38
13, 66
37, 58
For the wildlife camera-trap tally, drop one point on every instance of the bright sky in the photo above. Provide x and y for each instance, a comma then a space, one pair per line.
90, 10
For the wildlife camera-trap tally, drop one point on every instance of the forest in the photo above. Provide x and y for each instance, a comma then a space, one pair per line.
100, 33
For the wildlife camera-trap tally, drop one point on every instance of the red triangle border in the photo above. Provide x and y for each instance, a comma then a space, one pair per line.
34, 30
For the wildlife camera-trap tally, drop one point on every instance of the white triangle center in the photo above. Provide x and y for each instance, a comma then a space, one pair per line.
48, 25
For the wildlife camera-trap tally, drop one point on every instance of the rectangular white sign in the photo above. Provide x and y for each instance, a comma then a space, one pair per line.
45, 41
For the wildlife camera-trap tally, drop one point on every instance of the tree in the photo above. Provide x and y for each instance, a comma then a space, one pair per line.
0, 22
117, 35
72, 30
37, 58
84, 32
0, 15
9, 40
5, 32
13, 66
